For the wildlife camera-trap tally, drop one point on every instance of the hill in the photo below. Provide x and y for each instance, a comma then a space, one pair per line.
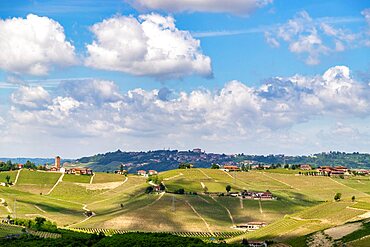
119, 204
163, 160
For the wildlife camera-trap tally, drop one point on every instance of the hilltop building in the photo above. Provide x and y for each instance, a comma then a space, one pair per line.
57, 163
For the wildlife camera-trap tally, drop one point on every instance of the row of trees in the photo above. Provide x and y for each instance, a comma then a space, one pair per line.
9, 166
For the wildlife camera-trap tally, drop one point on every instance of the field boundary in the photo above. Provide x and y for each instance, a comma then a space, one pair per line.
196, 212
16, 177
60, 179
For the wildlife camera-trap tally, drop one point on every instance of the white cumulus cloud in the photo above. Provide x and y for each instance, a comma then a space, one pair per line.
33, 45
237, 113
314, 38
149, 45
238, 7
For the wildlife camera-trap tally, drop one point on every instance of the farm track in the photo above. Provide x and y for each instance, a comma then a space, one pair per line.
205, 174
278, 180
55, 185
227, 210
92, 178
176, 176
2, 201
16, 177
126, 179
200, 217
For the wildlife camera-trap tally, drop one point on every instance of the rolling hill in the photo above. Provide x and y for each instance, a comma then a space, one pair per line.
304, 205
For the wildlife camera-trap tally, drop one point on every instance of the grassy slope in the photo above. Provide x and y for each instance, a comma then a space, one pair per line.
76, 179
127, 207
12, 175
36, 182
101, 177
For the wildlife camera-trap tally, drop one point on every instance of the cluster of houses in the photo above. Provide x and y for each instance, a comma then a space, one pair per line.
333, 170
73, 170
253, 195
147, 174
251, 226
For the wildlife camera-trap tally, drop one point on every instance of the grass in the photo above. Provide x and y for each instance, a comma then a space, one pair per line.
12, 175
76, 178
36, 182
358, 183
101, 177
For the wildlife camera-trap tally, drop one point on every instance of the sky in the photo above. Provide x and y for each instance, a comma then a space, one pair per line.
81, 77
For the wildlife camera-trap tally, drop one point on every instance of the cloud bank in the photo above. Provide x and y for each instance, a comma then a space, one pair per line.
97, 109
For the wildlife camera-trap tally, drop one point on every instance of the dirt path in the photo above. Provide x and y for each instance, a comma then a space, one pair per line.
203, 185
2, 201
205, 174
200, 217
260, 204
156, 200
86, 219
180, 174
126, 179
278, 180
92, 178
228, 174
55, 185
241, 203
227, 210
40, 209
16, 177
203, 199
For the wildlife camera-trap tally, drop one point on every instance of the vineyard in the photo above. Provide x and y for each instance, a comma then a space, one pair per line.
204, 235
44, 234
6, 229
304, 205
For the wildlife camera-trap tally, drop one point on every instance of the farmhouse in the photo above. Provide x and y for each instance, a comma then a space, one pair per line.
252, 226
20, 166
229, 168
252, 195
152, 172
305, 167
79, 171
328, 170
257, 244
123, 172
141, 173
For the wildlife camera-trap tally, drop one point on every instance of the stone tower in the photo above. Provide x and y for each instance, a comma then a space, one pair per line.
57, 162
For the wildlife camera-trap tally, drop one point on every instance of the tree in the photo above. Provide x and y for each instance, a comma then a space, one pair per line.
162, 187
39, 222
353, 198
7, 178
149, 190
215, 166
228, 188
338, 196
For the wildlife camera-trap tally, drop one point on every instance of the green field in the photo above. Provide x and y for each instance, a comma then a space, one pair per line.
304, 205
11, 174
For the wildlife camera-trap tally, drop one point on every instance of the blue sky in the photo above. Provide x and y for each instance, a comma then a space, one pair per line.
252, 76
